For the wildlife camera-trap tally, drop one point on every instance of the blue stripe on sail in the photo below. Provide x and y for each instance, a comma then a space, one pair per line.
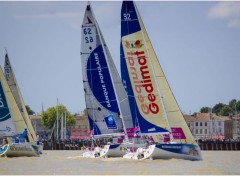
129, 19
4, 110
93, 126
100, 81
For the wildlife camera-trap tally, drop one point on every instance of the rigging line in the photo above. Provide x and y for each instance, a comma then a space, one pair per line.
97, 68
123, 100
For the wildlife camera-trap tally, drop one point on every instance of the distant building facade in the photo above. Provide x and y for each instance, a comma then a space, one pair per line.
236, 127
79, 131
38, 127
205, 125
81, 128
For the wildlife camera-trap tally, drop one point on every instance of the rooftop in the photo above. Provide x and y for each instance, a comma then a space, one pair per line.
204, 117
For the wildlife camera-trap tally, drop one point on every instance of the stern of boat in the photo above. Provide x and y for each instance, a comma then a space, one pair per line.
4, 149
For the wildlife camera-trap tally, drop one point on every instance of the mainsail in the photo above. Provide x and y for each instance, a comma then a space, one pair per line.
106, 100
153, 105
11, 120
12, 83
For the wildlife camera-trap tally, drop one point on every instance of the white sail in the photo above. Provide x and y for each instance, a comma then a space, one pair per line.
106, 99
153, 99
12, 82
11, 120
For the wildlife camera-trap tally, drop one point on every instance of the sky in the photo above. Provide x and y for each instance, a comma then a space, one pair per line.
197, 44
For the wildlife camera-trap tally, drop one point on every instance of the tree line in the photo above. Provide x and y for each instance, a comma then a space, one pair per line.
49, 116
230, 109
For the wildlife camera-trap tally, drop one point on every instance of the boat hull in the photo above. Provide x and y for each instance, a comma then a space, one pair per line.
167, 151
178, 151
96, 152
19, 150
114, 150
110, 150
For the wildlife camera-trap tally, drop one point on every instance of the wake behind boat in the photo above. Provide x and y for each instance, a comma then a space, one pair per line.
152, 103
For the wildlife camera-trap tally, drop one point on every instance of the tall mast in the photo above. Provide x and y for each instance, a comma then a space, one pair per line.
57, 118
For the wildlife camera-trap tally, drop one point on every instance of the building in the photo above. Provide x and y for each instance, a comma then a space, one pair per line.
205, 125
81, 129
236, 127
38, 127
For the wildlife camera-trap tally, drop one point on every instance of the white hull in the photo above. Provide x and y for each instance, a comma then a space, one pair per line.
19, 150
140, 153
96, 152
110, 151
167, 151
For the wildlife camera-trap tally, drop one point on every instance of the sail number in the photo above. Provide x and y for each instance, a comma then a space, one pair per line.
88, 39
126, 16
7, 73
87, 31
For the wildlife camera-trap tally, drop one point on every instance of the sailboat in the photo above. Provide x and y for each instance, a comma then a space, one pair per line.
106, 99
12, 124
153, 105
12, 83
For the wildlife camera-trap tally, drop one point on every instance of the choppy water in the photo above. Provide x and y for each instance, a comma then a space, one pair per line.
71, 163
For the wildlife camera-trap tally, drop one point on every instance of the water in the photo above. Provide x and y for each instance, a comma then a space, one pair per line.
70, 162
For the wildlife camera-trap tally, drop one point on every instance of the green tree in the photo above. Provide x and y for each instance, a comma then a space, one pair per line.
204, 109
29, 110
217, 108
226, 110
49, 117
237, 106
232, 103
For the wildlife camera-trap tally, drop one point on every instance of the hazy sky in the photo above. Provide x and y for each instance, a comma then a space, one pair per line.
197, 44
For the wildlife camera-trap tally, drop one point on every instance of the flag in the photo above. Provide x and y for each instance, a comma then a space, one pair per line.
137, 129
166, 138
91, 132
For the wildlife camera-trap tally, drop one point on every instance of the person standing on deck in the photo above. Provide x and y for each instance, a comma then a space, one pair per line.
25, 134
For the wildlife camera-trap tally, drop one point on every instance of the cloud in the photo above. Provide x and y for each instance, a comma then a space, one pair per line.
62, 15
68, 12
228, 10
